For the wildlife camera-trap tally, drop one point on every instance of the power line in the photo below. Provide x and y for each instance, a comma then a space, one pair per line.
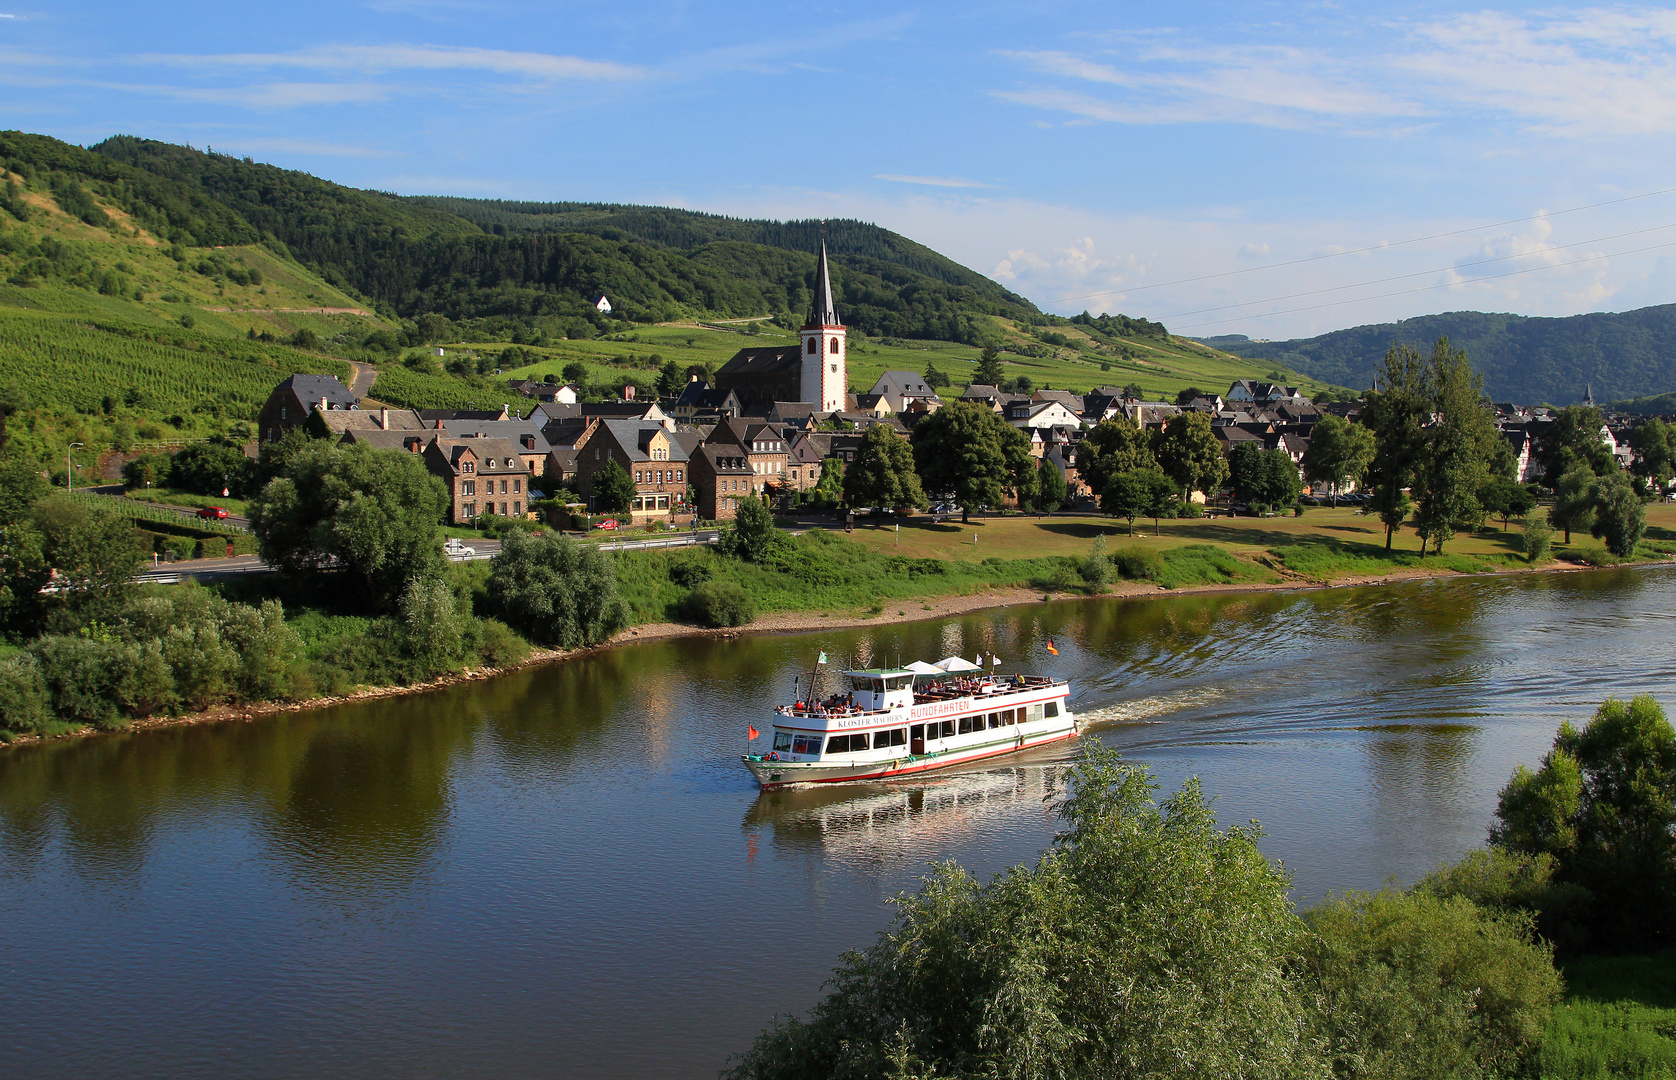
1419, 273
1364, 250
1431, 288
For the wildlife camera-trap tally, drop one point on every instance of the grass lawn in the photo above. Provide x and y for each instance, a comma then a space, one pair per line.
1618, 1020
180, 497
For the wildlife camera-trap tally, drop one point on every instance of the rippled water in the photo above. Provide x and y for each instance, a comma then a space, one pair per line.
565, 872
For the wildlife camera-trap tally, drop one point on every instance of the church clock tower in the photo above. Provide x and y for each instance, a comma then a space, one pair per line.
825, 374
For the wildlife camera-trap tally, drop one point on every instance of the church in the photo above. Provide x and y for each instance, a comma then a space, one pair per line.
814, 370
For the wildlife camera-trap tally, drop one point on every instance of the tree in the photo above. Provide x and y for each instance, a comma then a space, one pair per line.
1263, 476
93, 553
575, 373
1654, 443
1136, 493
1602, 804
1574, 506
555, 591
830, 487
1573, 436
753, 536
965, 450
1505, 499
1396, 415
1134, 392
934, 378
209, 467
1339, 453
431, 327
613, 489
988, 372
372, 515
670, 379
1620, 517
1147, 943
1051, 489
883, 472
1113, 446
1187, 396
1189, 454
1457, 447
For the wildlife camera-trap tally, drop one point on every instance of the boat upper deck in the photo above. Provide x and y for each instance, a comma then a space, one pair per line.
942, 697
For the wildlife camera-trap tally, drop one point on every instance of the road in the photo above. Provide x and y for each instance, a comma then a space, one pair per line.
361, 383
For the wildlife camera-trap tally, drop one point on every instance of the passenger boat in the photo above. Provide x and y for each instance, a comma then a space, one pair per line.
900, 721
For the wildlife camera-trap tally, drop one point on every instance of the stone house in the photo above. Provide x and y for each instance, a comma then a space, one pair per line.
654, 458
722, 474
484, 476
290, 403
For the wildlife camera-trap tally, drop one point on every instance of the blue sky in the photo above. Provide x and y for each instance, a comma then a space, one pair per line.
1155, 159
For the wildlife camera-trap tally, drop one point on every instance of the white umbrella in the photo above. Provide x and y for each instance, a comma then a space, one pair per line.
920, 667
958, 663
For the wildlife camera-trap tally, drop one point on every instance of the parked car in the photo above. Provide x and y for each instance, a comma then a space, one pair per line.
608, 523
453, 546
212, 513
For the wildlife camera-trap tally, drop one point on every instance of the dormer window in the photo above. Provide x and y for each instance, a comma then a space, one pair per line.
489, 462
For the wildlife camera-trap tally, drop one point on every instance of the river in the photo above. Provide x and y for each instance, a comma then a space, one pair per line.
565, 872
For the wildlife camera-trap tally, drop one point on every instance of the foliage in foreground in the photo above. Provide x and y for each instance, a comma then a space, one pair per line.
555, 591
1151, 943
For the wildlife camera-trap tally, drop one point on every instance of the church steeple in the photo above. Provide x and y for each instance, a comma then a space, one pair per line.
824, 312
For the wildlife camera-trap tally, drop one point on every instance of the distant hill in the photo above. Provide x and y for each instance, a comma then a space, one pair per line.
1527, 360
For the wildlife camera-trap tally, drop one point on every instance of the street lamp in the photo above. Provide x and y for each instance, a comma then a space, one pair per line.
70, 468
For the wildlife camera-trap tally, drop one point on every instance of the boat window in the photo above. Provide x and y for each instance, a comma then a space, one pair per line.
898, 682
806, 744
892, 737
948, 729
1035, 712
782, 740
1051, 709
838, 744
1011, 716
994, 719
918, 731
965, 724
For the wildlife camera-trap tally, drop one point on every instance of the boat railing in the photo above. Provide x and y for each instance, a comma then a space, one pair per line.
819, 711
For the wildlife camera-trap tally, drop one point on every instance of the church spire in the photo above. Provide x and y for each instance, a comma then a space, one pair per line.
824, 312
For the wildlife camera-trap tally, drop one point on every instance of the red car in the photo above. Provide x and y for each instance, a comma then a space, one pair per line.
212, 513
608, 523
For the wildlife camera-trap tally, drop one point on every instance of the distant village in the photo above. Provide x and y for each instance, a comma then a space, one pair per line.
768, 423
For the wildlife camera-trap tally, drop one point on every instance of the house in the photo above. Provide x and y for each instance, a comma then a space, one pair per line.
655, 460
1150, 414
813, 371
984, 394
484, 476
544, 391
762, 443
903, 391
1252, 391
290, 403
333, 423
803, 460
794, 414
723, 478
527, 437
1041, 414
699, 398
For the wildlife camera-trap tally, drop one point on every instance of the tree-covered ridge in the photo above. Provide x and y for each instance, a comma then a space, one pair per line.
1527, 360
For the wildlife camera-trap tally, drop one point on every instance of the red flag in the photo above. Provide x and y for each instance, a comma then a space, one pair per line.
752, 729
1051, 649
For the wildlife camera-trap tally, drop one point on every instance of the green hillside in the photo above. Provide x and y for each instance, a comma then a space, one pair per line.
1527, 360
156, 292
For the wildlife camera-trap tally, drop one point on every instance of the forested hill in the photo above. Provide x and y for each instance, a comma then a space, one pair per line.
476, 259
1527, 360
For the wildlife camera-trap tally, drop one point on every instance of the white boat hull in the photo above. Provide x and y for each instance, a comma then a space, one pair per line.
882, 765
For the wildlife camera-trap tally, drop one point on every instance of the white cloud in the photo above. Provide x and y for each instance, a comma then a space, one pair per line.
384, 58
933, 181
1595, 72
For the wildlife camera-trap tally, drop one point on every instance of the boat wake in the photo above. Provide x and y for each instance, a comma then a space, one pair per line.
1147, 710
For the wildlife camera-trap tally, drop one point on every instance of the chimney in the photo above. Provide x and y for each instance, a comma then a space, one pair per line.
692, 378
323, 404
628, 391
439, 423
384, 419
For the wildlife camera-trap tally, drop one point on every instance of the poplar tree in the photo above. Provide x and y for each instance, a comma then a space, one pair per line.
1396, 412
1456, 448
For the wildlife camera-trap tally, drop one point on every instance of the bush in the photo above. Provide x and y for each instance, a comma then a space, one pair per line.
500, 646
690, 573
719, 603
1418, 985
1138, 563
1537, 540
555, 591
24, 706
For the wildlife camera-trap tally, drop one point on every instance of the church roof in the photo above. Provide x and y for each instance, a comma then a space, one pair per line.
824, 312
772, 360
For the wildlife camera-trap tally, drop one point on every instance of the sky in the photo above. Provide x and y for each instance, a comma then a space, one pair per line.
1273, 170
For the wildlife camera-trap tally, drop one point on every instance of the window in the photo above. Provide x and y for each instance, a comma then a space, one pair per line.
894, 737
948, 729
1051, 709
803, 744
994, 719
637, 476
470, 510
517, 508
503, 487
468, 487
965, 725
811, 345
517, 487
470, 467
677, 476
834, 349
782, 740
507, 463
839, 744
488, 463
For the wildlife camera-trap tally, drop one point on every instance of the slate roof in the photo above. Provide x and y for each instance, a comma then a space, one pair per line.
824, 312
311, 388
767, 360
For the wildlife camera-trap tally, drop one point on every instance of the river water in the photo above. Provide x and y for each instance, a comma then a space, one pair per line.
565, 872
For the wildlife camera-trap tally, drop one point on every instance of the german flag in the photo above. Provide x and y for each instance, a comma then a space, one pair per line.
1051, 649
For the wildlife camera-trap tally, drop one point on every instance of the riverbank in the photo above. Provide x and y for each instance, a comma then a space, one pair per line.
796, 622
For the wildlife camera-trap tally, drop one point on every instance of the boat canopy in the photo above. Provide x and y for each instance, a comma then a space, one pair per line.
920, 667
953, 664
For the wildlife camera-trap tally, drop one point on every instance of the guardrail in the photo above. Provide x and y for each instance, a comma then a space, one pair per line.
674, 541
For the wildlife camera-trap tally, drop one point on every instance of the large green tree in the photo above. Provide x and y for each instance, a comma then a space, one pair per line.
1051, 489
1147, 943
1654, 443
613, 489
1113, 446
1457, 448
1339, 453
1603, 805
1189, 453
1396, 413
1573, 436
883, 472
1269, 477
1137, 493
1620, 517
1574, 504
555, 591
965, 450
988, 372
372, 516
